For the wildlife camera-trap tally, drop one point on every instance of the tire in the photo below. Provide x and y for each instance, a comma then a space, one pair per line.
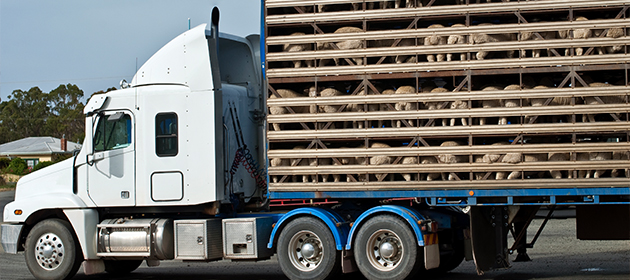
121, 267
52, 251
307, 251
386, 248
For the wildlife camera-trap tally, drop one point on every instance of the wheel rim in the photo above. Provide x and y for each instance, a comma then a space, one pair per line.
49, 251
384, 250
305, 250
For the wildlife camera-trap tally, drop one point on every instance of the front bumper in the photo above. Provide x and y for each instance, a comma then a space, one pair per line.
10, 237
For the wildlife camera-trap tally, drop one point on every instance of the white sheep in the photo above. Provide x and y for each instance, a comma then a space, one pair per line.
362, 108
529, 35
299, 162
457, 40
579, 33
405, 106
280, 110
435, 40
431, 160
449, 158
557, 174
491, 103
614, 32
510, 103
481, 38
313, 162
380, 160
511, 158
273, 162
409, 161
597, 157
622, 155
299, 48
343, 45
435, 105
459, 104
591, 100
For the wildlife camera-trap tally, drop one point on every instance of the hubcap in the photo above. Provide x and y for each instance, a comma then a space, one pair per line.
305, 250
384, 250
49, 251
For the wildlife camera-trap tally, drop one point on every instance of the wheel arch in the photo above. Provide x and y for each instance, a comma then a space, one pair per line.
338, 227
411, 216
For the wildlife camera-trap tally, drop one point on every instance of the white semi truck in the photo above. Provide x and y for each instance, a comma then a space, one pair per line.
183, 164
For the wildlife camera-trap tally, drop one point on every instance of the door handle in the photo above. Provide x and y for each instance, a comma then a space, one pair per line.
95, 157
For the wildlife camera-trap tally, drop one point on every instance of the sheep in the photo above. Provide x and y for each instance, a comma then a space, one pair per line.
435, 40
556, 101
362, 108
273, 162
403, 43
518, 157
614, 32
343, 161
405, 106
298, 48
299, 162
431, 160
279, 110
622, 155
529, 35
436, 105
591, 100
380, 160
491, 103
409, 160
319, 162
459, 104
598, 156
557, 174
343, 45
509, 103
449, 158
480, 38
580, 33
456, 39
511, 158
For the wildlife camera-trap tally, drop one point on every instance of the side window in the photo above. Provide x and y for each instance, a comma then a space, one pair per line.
112, 132
166, 134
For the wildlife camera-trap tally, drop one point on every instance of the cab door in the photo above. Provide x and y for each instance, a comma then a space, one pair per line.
111, 167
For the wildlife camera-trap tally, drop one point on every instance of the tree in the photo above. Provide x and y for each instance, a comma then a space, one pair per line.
66, 113
23, 115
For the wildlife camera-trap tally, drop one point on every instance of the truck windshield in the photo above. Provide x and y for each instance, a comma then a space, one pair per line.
112, 133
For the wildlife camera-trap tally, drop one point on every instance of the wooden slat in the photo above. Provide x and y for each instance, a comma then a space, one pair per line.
449, 185
450, 113
450, 96
457, 150
460, 48
450, 65
451, 131
522, 6
446, 31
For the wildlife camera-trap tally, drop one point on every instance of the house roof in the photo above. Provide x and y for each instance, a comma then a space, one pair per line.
36, 146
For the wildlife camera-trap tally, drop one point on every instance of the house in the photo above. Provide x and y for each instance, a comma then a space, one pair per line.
36, 149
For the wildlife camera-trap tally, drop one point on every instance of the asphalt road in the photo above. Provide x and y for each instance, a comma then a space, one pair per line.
557, 255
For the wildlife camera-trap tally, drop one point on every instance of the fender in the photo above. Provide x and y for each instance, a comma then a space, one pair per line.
335, 223
409, 215
32, 204
84, 222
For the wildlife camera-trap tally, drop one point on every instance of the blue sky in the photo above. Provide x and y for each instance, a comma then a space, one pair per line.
95, 44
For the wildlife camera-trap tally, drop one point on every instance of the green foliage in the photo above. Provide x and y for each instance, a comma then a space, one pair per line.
36, 113
42, 164
4, 162
60, 157
17, 166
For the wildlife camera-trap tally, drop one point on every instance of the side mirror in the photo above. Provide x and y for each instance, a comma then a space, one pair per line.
88, 142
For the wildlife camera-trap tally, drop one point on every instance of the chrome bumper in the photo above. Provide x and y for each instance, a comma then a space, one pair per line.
10, 237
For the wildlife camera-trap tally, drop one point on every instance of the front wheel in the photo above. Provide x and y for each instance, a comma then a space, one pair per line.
52, 251
306, 250
386, 249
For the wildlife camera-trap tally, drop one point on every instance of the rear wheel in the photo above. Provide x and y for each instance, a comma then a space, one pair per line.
52, 251
306, 250
386, 248
121, 267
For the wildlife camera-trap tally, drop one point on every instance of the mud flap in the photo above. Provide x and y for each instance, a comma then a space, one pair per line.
489, 228
431, 251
